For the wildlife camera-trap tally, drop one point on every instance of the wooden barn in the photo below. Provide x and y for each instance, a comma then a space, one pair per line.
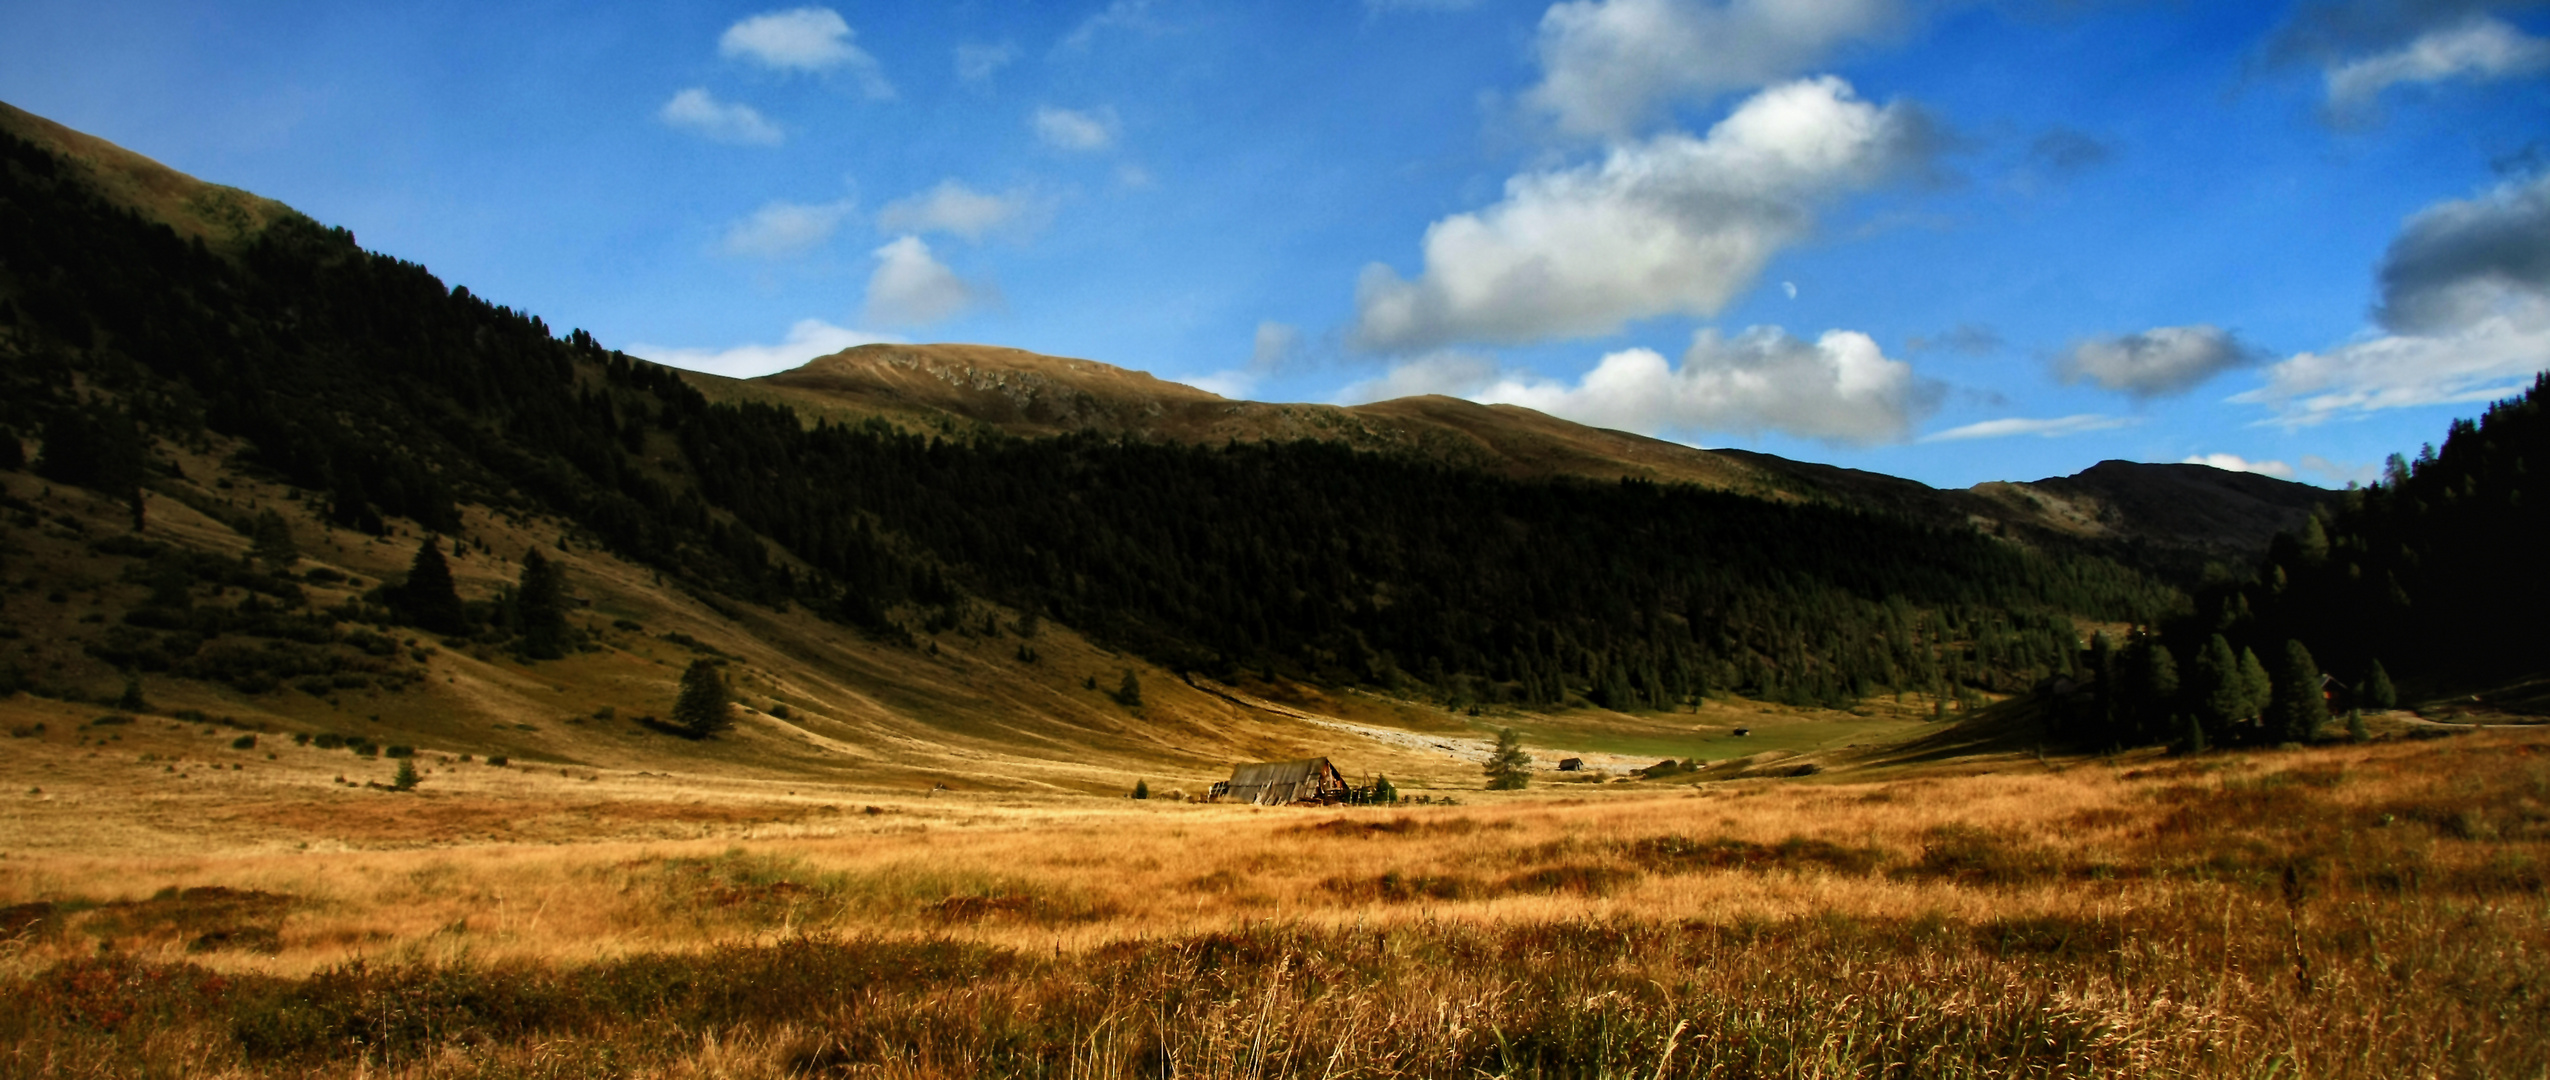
1283, 783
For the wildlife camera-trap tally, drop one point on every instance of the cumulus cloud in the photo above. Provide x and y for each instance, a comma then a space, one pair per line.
1610, 66
1672, 225
2158, 362
1839, 388
2457, 263
781, 229
978, 63
804, 39
2054, 427
2465, 301
1076, 130
806, 340
912, 287
697, 111
2480, 47
952, 207
2236, 463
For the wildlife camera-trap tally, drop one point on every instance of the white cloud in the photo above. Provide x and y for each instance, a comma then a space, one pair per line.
1839, 388
808, 339
2158, 362
804, 39
2480, 47
2054, 427
781, 229
912, 287
2466, 298
1131, 15
952, 207
1673, 225
697, 111
978, 63
1609, 66
2236, 463
1074, 130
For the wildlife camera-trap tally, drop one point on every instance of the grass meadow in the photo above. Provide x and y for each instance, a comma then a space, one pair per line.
2368, 910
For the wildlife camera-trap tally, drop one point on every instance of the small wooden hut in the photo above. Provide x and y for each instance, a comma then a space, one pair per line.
1282, 783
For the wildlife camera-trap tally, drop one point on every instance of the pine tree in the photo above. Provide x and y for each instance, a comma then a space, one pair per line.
1142, 789
2192, 738
2355, 729
703, 707
2296, 711
1382, 792
406, 778
540, 607
427, 599
2378, 691
1129, 692
1509, 768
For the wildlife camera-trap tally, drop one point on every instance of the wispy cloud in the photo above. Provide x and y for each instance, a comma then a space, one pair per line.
697, 111
952, 207
2054, 427
977, 63
2480, 47
1132, 16
782, 229
1075, 130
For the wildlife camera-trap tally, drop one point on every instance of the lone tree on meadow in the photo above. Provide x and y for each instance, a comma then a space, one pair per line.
702, 709
1509, 768
271, 541
1129, 692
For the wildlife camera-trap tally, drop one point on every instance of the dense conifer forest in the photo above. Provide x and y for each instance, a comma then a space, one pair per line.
368, 382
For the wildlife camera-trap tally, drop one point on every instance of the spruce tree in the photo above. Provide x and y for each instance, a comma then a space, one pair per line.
1142, 789
1383, 792
1129, 692
702, 709
540, 607
427, 599
2216, 693
2257, 687
2296, 711
2378, 691
406, 778
1509, 768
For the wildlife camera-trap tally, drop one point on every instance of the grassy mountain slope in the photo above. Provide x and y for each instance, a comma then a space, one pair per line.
2175, 517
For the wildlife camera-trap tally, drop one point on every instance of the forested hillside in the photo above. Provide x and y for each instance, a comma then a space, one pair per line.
366, 379
2429, 577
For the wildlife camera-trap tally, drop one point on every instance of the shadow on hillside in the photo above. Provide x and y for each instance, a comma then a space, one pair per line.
2015, 726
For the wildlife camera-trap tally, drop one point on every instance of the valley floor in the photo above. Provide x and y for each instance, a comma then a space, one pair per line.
2372, 910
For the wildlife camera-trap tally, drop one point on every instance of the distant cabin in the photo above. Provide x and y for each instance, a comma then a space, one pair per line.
1282, 783
1573, 764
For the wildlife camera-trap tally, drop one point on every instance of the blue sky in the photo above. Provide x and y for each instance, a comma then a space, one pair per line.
1950, 241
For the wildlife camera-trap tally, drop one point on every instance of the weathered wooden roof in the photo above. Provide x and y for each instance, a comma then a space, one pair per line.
1268, 773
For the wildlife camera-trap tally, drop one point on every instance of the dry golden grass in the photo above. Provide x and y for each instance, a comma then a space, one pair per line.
2337, 910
